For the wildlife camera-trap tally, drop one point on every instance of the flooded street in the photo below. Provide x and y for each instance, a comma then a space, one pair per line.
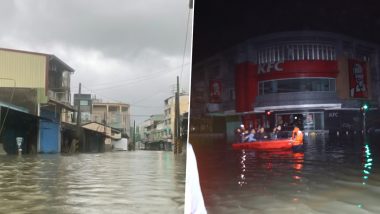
331, 176
113, 182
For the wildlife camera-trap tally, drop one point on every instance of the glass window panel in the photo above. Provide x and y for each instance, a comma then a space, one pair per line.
318, 121
297, 85
83, 102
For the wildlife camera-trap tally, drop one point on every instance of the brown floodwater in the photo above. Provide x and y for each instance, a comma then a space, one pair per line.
112, 182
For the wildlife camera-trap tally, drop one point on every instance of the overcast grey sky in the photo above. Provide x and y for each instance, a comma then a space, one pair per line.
122, 50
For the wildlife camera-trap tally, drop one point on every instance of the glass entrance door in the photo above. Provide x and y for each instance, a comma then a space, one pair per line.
305, 120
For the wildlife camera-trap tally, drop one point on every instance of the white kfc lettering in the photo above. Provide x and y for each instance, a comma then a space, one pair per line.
269, 67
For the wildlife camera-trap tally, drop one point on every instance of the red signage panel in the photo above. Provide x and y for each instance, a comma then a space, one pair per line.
215, 91
245, 86
358, 78
297, 69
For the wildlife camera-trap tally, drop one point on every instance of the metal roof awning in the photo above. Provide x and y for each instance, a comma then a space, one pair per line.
66, 106
14, 107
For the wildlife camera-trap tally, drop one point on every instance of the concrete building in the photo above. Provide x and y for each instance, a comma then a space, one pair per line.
154, 134
85, 102
153, 128
115, 115
107, 132
318, 80
169, 112
35, 86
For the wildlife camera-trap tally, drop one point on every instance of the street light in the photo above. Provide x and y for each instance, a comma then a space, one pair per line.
364, 108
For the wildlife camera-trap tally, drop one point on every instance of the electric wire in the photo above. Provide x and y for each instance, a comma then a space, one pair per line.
184, 49
151, 75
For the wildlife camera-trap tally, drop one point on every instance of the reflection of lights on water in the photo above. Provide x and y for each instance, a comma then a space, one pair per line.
296, 177
367, 164
242, 181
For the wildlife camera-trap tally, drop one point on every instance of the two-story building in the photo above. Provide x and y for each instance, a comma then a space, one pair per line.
115, 115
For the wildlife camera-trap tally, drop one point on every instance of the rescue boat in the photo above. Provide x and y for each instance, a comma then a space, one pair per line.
264, 145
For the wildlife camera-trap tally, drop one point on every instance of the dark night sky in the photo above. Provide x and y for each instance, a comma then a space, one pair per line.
224, 23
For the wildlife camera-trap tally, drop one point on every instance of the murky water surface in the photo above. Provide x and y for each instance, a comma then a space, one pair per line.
112, 182
331, 176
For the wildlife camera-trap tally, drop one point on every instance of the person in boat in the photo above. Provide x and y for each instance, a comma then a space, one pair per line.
251, 136
238, 134
261, 134
278, 133
297, 136
244, 136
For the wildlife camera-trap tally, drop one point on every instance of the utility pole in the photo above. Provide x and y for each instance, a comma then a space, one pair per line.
79, 96
134, 135
78, 118
177, 135
104, 131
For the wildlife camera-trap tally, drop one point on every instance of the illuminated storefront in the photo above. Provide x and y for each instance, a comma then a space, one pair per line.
318, 80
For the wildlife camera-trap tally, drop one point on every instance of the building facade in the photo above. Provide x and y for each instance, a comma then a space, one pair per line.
169, 112
85, 103
115, 115
39, 84
153, 129
318, 80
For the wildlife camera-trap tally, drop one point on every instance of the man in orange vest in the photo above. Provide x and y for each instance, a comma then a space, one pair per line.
297, 136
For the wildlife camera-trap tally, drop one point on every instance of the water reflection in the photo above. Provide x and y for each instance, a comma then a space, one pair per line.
242, 181
327, 177
367, 161
120, 182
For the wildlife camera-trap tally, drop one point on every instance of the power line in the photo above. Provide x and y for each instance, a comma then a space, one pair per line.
187, 32
151, 75
131, 104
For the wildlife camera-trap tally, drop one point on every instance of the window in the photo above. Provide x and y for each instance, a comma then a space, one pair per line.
296, 51
113, 108
296, 85
83, 102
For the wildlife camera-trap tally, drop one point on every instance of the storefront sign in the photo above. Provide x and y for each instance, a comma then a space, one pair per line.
270, 67
297, 69
333, 114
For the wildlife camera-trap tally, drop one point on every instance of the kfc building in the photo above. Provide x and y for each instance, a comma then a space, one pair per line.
318, 80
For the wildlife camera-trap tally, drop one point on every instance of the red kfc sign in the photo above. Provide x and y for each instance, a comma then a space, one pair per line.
358, 78
215, 91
